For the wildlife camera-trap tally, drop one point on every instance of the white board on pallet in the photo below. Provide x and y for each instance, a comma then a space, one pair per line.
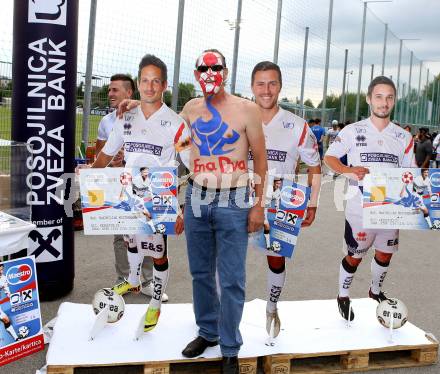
307, 327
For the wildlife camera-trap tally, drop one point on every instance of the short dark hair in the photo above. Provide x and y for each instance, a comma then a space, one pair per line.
128, 81
425, 130
214, 51
311, 120
317, 120
264, 66
155, 61
380, 80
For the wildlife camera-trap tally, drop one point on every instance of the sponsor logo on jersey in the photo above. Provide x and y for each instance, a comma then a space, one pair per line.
138, 147
435, 179
392, 242
387, 158
19, 274
275, 155
162, 179
293, 196
400, 135
361, 139
361, 236
127, 129
288, 125
165, 123
361, 130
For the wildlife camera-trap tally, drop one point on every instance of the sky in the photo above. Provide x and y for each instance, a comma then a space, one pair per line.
125, 30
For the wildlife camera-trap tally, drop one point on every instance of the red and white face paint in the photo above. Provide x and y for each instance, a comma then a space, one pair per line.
210, 81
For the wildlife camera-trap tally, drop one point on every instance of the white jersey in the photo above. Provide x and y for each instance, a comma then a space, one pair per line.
141, 186
288, 137
366, 146
150, 142
106, 125
4, 285
332, 134
422, 186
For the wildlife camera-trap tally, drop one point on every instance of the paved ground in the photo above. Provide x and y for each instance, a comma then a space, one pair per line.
413, 277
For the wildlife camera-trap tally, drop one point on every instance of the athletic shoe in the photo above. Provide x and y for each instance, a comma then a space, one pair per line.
148, 289
344, 308
379, 298
273, 318
125, 287
151, 318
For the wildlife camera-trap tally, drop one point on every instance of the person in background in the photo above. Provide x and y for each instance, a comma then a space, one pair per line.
319, 133
423, 148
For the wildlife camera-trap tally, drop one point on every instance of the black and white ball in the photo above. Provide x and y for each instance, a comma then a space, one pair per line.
160, 228
107, 298
395, 308
276, 246
23, 331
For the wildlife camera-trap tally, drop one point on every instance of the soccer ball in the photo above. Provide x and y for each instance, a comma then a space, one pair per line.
393, 307
276, 246
23, 331
436, 224
160, 228
125, 178
407, 177
107, 298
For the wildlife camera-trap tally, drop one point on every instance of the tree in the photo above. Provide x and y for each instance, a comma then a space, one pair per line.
186, 92
309, 103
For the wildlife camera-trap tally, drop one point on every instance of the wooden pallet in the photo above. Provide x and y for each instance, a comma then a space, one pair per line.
313, 363
199, 366
349, 361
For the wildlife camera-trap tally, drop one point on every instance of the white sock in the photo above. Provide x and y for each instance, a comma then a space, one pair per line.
275, 283
428, 221
160, 280
12, 332
151, 224
378, 274
135, 262
267, 237
345, 280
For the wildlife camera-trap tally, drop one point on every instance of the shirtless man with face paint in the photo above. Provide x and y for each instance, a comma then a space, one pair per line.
217, 214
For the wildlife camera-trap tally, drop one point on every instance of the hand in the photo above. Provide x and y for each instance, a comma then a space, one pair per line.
117, 159
255, 218
125, 106
179, 224
357, 172
310, 216
81, 166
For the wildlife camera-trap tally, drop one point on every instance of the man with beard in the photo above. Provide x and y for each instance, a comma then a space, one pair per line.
288, 139
375, 142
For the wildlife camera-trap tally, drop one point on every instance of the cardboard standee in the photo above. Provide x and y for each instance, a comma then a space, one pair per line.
140, 327
100, 322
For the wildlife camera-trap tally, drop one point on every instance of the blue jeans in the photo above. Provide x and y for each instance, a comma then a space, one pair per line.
217, 237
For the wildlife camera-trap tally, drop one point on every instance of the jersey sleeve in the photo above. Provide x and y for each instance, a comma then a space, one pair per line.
408, 156
308, 147
101, 130
182, 142
341, 145
116, 139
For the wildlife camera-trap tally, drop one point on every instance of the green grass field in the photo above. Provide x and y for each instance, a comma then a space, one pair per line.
5, 126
